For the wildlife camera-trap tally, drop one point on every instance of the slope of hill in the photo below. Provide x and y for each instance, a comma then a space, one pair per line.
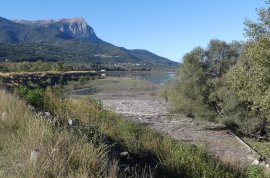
65, 40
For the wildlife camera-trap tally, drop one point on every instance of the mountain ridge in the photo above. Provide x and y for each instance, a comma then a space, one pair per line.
74, 27
72, 38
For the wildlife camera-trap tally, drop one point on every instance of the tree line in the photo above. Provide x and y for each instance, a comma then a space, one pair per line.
40, 66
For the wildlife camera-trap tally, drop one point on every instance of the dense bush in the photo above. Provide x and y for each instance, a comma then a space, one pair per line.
199, 88
214, 83
250, 79
34, 97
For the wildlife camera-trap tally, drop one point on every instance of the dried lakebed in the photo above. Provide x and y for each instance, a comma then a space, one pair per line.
147, 108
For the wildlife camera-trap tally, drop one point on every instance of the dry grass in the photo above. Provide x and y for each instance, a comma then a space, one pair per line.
60, 153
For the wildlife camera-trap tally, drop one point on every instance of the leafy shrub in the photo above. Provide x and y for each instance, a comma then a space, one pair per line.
181, 100
243, 123
197, 89
34, 97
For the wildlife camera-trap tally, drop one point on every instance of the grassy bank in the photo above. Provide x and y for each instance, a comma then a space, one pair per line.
60, 154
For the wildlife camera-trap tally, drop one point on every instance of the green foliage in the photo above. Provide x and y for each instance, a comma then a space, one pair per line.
40, 66
199, 89
260, 28
183, 104
250, 79
34, 97
255, 172
219, 83
262, 147
54, 101
83, 79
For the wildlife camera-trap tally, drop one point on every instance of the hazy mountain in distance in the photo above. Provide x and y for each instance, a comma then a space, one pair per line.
65, 40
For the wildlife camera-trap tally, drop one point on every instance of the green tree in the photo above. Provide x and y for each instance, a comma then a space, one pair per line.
250, 78
189, 93
260, 28
199, 89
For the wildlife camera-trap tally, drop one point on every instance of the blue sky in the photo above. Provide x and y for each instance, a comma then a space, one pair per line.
169, 28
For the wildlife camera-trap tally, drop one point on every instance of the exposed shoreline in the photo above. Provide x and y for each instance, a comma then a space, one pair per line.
146, 107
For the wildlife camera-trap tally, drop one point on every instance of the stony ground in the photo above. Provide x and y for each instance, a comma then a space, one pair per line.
149, 109
145, 106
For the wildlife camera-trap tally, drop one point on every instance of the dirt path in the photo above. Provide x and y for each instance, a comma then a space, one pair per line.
146, 107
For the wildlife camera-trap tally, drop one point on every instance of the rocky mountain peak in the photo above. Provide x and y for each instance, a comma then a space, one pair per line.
75, 27
79, 20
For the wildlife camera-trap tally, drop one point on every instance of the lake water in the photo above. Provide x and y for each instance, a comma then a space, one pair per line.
154, 77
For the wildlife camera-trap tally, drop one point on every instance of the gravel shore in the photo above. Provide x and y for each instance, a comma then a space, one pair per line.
147, 108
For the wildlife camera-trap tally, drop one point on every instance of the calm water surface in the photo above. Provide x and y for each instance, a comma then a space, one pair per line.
154, 77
